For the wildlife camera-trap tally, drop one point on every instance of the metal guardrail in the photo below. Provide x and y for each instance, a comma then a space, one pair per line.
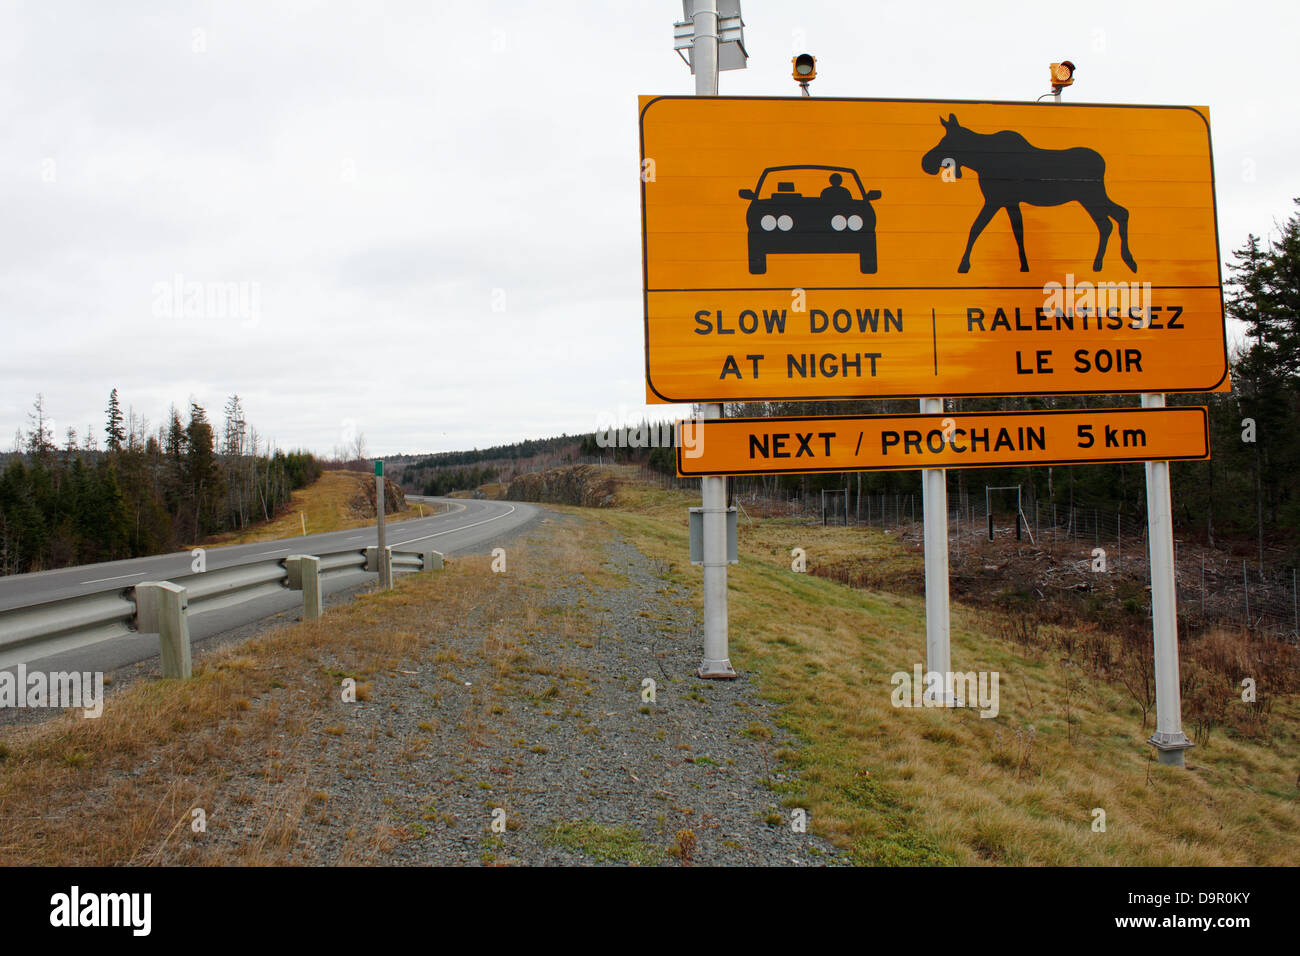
407, 561
226, 587
342, 561
65, 624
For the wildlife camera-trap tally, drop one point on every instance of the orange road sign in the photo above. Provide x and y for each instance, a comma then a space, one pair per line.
811, 248
747, 446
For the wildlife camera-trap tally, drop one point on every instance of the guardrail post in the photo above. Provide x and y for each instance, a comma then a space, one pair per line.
304, 576
146, 608
432, 560
312, 606
162, 607
293, 571
372, 564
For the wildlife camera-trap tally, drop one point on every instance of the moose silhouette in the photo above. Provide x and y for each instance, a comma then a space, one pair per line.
1014, 171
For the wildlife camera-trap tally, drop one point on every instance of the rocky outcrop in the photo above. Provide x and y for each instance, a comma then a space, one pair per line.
584, 485
362, 503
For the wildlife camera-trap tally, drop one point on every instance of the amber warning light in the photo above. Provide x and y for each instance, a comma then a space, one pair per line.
1062, 74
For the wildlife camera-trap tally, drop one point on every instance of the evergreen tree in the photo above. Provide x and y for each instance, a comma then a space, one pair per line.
112, 527
150, 495
202, 477
22, 527
175, 441
1264, 293
116, 434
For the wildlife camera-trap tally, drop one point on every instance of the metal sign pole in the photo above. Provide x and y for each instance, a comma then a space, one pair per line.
384, 582
1169, 739
934, 507
713, 490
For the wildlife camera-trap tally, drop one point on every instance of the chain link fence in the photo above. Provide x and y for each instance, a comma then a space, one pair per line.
1215, 586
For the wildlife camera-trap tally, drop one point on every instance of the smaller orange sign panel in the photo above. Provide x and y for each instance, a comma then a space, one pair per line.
746, 446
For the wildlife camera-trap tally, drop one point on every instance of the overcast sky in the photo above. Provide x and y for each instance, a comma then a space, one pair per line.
430, 210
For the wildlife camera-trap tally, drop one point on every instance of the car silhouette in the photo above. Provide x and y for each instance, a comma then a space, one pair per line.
810, 210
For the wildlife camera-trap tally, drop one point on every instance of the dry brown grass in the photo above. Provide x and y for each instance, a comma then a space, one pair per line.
906, 786
242, 740
120, 789
328, 504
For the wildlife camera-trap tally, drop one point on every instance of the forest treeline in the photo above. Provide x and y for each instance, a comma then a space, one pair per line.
449, 471
142, 492
444, 481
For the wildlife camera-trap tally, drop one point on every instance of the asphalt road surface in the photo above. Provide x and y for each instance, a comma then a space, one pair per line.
469, 526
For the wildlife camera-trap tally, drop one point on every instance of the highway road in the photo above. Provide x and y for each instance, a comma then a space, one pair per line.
467, 527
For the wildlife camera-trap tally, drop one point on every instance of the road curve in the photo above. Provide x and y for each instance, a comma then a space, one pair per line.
469, 526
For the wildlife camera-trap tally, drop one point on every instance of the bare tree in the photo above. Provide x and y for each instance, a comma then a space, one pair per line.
236, 426
140, 434
1137, 673
40, 440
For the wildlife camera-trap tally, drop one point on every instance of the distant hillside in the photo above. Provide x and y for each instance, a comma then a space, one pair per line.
338, 499
450, 471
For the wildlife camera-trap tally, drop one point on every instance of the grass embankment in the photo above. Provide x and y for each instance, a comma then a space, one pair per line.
894, 785
336, 501
242, 739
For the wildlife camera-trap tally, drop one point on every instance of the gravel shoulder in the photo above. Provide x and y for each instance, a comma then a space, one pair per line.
522, 734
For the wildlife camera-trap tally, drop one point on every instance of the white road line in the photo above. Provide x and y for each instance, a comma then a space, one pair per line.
276, 551
355, 537
458, 510
136, 574
461, 528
